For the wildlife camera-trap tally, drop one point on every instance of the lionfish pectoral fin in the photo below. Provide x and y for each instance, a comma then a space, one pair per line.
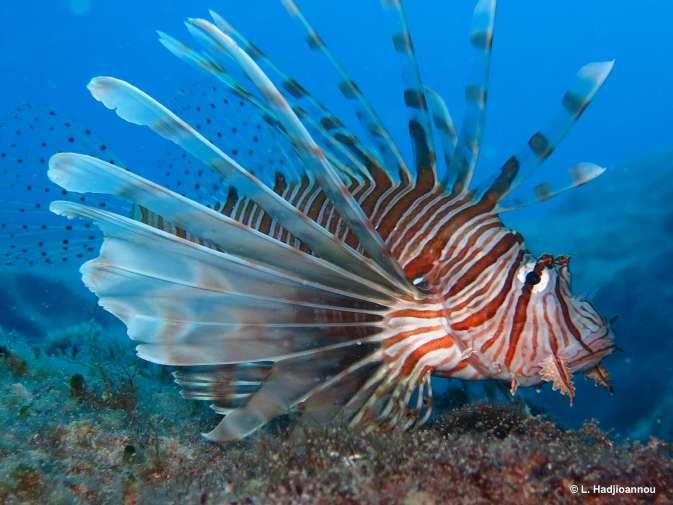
246, 334
600, 378
314, 157
320, 384
554, 369
227, 386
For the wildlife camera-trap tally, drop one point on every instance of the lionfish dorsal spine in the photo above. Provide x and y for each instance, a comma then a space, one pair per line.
590, 78
349, 89
446, 131
315, 115
476, 95
136, 107
415, 101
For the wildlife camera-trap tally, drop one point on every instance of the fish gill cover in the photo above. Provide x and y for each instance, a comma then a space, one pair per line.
319, 274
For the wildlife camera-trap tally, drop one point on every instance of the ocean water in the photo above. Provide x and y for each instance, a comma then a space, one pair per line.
617, 229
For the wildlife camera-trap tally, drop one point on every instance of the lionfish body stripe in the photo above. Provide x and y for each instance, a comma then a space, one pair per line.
344, 289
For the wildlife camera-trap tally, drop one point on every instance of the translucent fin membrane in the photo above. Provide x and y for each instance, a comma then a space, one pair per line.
364, 111
337, 144
235, 93
578, 175
312, 155
445, 129
238, 129
420, 126
318, 118
543, 142
476, 96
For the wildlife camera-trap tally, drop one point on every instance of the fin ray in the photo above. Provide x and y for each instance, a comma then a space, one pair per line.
419, 124
590, 78
337, 192
476, 95
139, 108
81, 173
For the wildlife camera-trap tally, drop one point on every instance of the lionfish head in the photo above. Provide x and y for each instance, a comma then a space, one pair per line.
566, 331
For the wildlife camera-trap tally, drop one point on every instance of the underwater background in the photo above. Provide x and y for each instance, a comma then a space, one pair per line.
67, 365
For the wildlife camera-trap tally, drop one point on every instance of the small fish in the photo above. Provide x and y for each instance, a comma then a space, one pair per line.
349, 281
32, 238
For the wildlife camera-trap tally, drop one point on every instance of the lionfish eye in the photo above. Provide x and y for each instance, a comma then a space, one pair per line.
532, 278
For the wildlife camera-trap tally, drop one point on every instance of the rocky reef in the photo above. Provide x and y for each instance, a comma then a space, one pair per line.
86, 422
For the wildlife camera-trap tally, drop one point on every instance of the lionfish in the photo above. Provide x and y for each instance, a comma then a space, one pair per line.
346, 285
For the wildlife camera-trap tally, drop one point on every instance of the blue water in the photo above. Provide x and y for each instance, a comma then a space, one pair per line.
619, 233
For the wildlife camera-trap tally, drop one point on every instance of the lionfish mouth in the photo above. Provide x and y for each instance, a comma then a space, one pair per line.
347, 283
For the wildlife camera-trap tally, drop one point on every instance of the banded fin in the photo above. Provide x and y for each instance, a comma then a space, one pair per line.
294, 381
319, 165
590, 78
86, 174
420, 126
364, 111
476, 95
312, 112
190, 308
134, 106
334, 148
228, 386
448, 138
579, 175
